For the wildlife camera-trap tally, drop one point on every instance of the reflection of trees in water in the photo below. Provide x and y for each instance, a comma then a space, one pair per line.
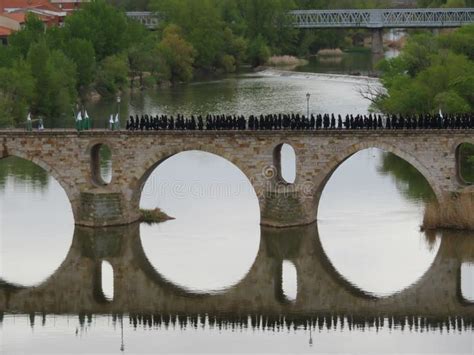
409, 181
431, 238
22, 171
105, 157
466, 162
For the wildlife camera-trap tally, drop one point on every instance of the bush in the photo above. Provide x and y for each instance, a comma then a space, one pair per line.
178, 54
258, 51
112, 76
227, 63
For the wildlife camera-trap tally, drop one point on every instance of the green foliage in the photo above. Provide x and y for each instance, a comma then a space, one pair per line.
55, 80
258, 52
32, 32
431, 73
103, 25
416, 54
112, 75
177, 53
203, 26
460, 41
16, 91
82, 53
269, 20
445, 3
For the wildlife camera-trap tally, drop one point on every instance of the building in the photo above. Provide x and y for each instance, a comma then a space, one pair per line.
51, 12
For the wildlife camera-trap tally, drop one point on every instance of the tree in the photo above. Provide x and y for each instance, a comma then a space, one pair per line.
55, 80
431, 73
178, 54
103, 25
258, 52
461, 41
269, 19
113, 75
81, 52
32, 32
445, 3
16, 93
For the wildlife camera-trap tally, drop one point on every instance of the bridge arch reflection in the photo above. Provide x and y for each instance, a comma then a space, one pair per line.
372, 233
322, 293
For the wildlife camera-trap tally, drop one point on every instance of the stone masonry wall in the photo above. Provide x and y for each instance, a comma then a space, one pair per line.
66, 155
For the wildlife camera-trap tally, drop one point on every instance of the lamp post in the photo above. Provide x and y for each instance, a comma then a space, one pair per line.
308, 95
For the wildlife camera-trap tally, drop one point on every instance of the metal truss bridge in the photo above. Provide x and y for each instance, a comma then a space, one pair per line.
372, 19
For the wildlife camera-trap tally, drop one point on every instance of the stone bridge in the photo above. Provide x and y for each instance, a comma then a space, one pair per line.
73, 160
139, 289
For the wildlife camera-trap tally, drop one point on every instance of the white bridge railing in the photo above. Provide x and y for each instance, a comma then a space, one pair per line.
390, 18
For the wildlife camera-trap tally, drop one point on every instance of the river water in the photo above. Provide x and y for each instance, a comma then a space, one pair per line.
363, 279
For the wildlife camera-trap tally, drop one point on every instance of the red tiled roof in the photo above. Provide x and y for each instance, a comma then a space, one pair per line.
17, 16
39, 4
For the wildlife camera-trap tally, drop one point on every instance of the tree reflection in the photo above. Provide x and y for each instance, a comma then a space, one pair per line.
22, 171
466, 162
409, 181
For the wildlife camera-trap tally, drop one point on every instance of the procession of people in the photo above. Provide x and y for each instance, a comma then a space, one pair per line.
84, 122
299, 122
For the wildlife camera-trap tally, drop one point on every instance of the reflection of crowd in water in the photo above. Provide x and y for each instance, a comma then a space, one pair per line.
300, 122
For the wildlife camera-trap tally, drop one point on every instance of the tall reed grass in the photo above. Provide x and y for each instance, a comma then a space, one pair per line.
453, 213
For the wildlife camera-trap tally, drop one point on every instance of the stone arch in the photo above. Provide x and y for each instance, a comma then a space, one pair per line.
325, 174
93, 152
277, 163
455, 152
49, 169
157, 159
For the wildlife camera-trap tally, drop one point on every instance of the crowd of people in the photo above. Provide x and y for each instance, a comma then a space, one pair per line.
300, 122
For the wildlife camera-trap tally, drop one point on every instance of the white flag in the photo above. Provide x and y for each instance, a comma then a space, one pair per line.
86, 115
29, 116
79, 116
440, 114
111, 119
116, 118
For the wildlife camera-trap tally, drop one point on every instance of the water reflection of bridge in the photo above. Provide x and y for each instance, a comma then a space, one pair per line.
323, 297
